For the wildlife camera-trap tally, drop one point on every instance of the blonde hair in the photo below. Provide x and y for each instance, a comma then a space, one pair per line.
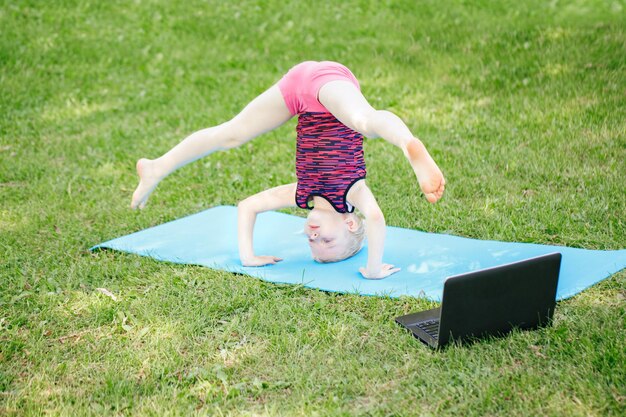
355, 242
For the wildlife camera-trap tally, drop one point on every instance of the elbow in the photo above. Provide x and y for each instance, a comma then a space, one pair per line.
243, 205
248, 206
375, 216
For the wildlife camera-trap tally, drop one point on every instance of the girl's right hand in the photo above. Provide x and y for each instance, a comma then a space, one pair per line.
260, 260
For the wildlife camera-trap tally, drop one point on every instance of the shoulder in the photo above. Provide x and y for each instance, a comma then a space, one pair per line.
361, 197
357, 192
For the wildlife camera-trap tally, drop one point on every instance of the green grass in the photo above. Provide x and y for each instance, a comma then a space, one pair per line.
521, 103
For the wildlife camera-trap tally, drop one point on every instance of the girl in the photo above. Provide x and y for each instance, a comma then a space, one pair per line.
333, 116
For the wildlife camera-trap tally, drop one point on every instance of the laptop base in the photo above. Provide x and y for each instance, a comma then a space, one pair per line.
421, 325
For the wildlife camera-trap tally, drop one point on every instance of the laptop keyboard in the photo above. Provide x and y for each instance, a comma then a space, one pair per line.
431, 327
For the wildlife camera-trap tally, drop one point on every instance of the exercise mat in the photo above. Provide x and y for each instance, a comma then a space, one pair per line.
209, 238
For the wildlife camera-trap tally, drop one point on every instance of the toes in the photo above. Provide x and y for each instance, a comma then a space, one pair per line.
434, 197
136, 201
431, 197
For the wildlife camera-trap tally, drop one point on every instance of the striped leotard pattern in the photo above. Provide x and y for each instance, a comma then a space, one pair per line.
329, 160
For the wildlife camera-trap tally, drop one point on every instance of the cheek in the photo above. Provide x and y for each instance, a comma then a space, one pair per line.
315, 253
335, 228
341, 235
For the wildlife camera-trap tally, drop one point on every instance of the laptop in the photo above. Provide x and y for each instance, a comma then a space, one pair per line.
490, 302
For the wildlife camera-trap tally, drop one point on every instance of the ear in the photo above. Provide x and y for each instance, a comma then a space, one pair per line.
351, 223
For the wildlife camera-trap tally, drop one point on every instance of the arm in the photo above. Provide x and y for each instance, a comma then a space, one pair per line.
274, 198
362, 198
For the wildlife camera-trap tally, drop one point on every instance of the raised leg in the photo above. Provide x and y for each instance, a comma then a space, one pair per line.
350, 107
266, 112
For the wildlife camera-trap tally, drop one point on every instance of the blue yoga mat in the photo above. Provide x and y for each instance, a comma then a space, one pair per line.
209, 238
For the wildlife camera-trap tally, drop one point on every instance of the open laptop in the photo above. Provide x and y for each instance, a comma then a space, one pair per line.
490, 302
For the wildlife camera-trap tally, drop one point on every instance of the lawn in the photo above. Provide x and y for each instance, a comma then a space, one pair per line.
522, 104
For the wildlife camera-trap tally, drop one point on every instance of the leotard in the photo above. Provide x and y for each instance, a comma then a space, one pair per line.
329, 155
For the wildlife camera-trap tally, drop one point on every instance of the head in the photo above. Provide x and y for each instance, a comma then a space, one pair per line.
334, 236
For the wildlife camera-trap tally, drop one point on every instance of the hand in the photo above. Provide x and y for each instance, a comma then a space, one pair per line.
260, 260
384, 272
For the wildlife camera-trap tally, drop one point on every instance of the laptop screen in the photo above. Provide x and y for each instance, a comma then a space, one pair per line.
494, 301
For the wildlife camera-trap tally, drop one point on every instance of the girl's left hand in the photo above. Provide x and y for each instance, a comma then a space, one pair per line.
384, 272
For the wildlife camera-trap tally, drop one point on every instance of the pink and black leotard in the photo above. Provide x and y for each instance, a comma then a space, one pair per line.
329, 155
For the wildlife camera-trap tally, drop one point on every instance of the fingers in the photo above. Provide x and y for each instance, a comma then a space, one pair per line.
390, 270
268, 260
262, 260
393, 271
385, 271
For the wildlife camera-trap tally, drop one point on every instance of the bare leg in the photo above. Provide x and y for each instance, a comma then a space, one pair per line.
348, 105
264, 113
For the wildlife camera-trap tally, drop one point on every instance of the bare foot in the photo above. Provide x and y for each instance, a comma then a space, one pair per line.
428, 174
148, 180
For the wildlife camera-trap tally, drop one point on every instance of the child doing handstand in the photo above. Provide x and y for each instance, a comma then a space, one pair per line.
333, 117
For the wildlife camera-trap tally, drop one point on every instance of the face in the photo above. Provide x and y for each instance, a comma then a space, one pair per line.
328, 233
